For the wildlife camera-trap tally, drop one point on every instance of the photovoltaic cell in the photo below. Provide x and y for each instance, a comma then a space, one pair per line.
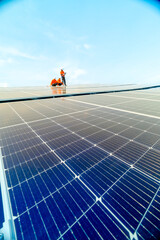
150, 164
150, 227
130, 197
131, 152
113, 143
86, 159
101, 176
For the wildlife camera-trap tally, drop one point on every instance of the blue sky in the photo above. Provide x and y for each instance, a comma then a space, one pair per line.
95, 41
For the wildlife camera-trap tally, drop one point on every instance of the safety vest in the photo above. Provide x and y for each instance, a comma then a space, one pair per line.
62, 73
53, 81
59, 80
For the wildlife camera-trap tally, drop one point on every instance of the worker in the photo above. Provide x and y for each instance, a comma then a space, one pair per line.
59, 82
62, 73
53, 82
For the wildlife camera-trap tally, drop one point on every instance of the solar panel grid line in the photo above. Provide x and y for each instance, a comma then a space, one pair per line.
21, 149
135, 209
76, 221
121, 132
36, 134
149, 194
28, 178
151, 157
79, 217
102, 148
122, 110
13, 125
139, 183
91, 159
118, 203
133, 166
148, 99
129, 101
66, 114
130, 233
147, 210
101, 195
99, 234
43, 199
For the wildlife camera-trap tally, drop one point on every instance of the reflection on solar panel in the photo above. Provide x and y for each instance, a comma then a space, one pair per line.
85, 167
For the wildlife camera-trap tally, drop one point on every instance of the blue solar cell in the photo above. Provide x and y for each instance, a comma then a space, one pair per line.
72, 149
86, 159
1, 209
61, 172
20, 174
61, 141
26, 170
34, 188
8, 178
127, 203
78, 232
150, 226
28, 232
89, 230
69, 236
13, 176
131, 152
14, 210
97, 223
70, 201
82, 199
38, 224
32, 168
42, 187
113, 143
64, 209
100, 177
50, 184
150, 163
27, 194
20, 202
54, 178
18, 229
48, 219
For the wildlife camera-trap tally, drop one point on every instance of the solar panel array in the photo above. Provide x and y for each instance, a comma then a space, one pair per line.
83, 167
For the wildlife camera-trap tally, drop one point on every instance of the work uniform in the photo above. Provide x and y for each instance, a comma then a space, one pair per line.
62, 73
59, 82
53, 82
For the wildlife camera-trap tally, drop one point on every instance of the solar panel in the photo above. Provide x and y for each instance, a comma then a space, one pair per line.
81, 168
1, 209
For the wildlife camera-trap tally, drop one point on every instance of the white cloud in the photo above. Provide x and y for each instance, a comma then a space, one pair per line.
3, 84
77, 73
87, 46
7, 51
5, 61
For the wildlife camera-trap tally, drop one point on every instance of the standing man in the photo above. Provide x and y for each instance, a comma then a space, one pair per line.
62, 73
